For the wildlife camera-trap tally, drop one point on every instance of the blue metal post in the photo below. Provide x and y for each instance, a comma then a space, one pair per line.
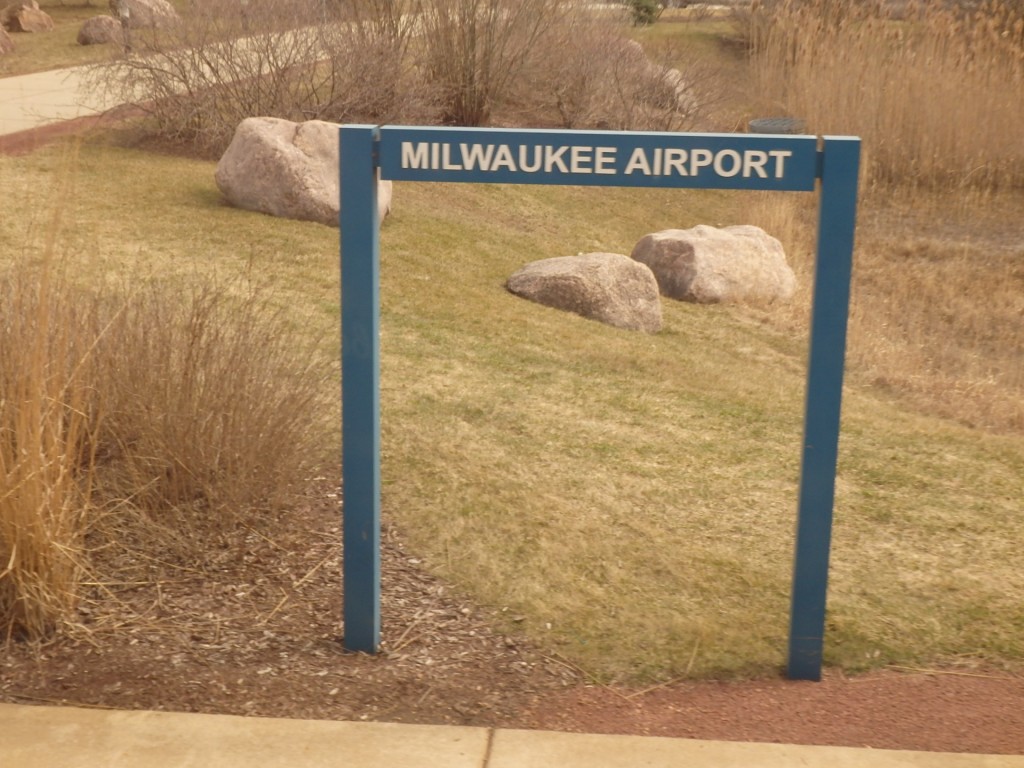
837, 216
360, 387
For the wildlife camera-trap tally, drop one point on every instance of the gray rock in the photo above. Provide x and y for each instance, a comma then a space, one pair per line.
707, 265
287, 169
99, 30
607, 287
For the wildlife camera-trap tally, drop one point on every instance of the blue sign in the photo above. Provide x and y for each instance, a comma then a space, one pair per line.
602, 158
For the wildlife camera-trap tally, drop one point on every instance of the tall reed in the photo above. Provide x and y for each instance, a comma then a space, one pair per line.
934, 91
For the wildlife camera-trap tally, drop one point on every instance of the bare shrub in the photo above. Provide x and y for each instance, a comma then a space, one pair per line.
301, 59
372, 77
422, 61
475, 50
589, 73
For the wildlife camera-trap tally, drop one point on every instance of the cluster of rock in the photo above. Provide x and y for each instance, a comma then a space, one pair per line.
26, 16
289, 169
704, 265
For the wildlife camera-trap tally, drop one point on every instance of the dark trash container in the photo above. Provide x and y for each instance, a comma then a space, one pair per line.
777, 125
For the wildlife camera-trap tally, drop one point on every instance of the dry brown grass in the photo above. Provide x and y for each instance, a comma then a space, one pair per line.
44, 428
937, 300
937, 288
934, 95
630, 497
938, 312
46, 425
633, 492
212, 411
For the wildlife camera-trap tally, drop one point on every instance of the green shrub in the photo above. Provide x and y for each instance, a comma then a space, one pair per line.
644, 12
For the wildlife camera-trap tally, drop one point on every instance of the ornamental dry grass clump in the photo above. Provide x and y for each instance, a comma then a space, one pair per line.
46, 425
144, 422
211, 411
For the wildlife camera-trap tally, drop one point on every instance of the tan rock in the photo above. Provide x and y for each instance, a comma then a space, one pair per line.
145, 13
287, 169
607, 287
100, 29
707, 265
25, 17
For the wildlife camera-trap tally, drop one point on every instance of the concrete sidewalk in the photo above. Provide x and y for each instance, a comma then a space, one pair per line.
43, 98
45, 737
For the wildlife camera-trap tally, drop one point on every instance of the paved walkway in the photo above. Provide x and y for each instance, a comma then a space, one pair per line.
33, 101
46, 737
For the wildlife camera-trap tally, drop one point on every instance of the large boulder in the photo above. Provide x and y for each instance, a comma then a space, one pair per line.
100, 29
25, 17
707, 265
145, 13
287, 169
6, 44
607, 287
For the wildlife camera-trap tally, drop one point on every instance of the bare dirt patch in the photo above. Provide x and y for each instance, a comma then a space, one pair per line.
255, 631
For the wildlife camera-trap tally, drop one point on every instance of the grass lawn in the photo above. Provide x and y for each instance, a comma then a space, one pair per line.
626, 499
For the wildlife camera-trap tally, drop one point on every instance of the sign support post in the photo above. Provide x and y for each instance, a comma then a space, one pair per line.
360, 384
840, 161
598, 158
